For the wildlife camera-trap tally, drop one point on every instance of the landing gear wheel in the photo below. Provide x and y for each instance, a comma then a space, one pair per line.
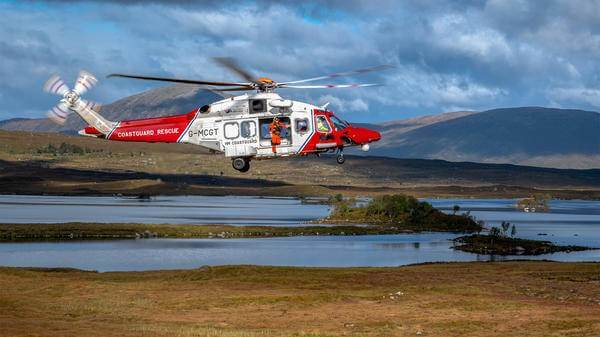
340, 159
241, 164
246, 168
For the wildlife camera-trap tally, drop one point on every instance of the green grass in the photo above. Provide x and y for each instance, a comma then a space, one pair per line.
101, 231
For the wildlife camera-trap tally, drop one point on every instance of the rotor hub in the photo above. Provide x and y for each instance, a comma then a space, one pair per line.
71, 97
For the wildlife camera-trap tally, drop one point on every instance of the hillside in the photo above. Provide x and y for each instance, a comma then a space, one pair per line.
51, 163
527, 136
532, 136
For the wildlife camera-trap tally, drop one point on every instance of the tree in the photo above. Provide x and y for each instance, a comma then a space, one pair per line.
513, 231
495, 232
505, 226
455, 209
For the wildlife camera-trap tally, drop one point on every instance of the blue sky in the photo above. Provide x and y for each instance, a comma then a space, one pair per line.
458, 55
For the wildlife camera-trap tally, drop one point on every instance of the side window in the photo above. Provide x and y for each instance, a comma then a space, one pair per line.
258, 105
301, 125
264, 129
323, 125
232, 130
248, 129
204, 109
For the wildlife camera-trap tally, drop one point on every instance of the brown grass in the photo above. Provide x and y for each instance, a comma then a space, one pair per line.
303, 176
458, 299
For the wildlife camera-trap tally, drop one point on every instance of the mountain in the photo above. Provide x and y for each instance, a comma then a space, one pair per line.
162, 101
534, 136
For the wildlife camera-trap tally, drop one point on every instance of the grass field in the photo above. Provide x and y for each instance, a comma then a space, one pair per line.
458, 299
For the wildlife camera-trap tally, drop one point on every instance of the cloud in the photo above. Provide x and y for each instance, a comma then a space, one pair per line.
343, 106
590, 96
469, 54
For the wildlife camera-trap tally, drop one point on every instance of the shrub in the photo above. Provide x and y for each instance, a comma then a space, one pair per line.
405, 211
65, 148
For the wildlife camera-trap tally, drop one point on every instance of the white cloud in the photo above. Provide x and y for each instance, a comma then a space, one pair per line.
590, 96
463, 34
414, 87
343, 105
449, 54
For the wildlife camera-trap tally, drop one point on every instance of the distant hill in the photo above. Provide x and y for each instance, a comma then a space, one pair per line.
156, 102
528, 136
535, 136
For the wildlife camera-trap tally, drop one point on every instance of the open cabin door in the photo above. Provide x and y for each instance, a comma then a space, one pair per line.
265, 133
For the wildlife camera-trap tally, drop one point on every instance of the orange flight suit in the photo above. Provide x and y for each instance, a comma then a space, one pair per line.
275, 130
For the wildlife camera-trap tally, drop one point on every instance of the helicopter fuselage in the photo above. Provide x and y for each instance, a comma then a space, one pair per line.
240, 127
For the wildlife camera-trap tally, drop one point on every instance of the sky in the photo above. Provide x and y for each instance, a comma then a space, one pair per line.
448, 55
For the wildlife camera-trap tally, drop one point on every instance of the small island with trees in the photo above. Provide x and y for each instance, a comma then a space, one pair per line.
502, 241
400, 212
536, 203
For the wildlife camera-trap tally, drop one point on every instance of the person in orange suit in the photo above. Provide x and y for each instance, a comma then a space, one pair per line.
275, 129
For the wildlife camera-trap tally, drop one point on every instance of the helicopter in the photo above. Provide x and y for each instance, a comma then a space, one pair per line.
257, 125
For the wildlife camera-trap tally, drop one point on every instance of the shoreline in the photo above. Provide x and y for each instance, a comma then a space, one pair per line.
89, 232
153, 189
299, 268
83, 231
318, 198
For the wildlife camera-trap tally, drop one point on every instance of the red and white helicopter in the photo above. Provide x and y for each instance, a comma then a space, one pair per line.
258, 125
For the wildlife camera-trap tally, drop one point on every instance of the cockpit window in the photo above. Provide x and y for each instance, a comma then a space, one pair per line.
323, 125
338, 123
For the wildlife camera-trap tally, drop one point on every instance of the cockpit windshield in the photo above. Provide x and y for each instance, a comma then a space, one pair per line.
339, 124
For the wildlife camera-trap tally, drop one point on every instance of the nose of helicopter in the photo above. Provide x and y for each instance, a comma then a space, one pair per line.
364, 135
373, 135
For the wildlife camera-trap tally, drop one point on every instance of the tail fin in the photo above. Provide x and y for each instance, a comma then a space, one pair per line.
93, 118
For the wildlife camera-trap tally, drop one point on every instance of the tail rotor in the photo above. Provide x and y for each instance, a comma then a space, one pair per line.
71, 98
55, 85
85, 81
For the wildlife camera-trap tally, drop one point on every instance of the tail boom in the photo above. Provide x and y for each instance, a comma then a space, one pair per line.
94, 119
168, 129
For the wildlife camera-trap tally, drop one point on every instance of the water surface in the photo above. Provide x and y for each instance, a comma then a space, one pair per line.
314, 251
231, 210
570, 222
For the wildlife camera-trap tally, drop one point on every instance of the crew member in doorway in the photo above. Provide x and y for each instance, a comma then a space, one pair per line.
275, 129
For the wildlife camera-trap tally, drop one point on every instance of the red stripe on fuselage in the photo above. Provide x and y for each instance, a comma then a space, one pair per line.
161, 129
318, 137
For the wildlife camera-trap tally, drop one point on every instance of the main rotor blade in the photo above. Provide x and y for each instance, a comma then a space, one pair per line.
85, 81
244, 88
342, 74
232, 65
59, 113
326, 86
178, 80
56, 85
217, 91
